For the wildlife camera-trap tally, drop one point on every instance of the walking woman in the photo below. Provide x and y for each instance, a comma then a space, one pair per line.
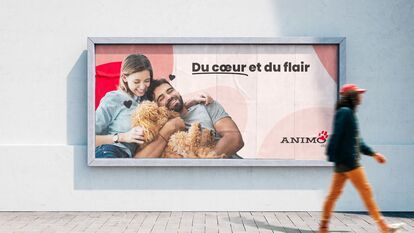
344, 148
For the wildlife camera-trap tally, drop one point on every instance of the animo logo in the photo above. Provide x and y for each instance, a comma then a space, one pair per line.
321, 138
323, 135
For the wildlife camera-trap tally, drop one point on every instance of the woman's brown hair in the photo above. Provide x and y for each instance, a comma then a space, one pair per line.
132, 64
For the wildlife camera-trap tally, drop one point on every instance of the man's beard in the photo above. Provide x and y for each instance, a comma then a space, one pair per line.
178, 107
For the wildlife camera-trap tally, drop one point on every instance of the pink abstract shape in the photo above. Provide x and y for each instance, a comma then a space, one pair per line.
233, 102
161, 56
271, 147
304, 123
328, 55
109, 59
107, 79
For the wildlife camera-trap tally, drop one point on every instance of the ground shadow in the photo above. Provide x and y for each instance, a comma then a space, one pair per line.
76, 106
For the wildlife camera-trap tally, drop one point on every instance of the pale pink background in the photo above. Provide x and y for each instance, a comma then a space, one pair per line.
265, 106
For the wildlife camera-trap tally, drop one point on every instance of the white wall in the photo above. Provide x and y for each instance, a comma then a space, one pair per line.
43, 100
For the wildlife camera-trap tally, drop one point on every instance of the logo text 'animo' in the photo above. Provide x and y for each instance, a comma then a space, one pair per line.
321, 138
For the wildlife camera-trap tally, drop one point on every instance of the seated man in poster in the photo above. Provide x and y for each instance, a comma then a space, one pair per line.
213, 116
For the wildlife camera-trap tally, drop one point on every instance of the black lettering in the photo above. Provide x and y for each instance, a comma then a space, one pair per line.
259, 67
238, 67
252, 68
286, 66
321, 140
294, 140
270, 67
215, 68
243, 67
306, 67
296, 68
196, 67
204, 68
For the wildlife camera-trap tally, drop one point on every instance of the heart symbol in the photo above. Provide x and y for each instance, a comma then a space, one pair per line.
128, 103
172, 77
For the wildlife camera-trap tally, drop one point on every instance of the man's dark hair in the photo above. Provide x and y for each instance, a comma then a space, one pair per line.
348, 99
154, 84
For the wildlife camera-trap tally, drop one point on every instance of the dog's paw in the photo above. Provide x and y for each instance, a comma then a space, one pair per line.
323, 135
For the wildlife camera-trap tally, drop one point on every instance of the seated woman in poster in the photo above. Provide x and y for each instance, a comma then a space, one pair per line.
115, 138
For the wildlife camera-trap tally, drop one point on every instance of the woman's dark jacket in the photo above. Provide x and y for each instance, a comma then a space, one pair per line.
344, 144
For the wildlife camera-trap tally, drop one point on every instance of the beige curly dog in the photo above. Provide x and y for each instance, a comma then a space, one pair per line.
195, 143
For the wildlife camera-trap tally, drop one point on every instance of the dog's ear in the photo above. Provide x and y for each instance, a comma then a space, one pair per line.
146, 116
163, 111
207, 137
135, 118
162, 116
194, 135
148, 111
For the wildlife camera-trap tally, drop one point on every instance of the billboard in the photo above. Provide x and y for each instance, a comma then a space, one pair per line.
269, 99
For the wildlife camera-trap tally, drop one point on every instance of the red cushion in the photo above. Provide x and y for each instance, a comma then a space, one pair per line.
107, 79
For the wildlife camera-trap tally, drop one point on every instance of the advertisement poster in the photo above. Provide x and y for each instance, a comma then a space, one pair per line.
280, 96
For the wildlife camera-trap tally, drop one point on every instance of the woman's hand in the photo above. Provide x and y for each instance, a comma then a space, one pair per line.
201, 98
380, 158
135, 135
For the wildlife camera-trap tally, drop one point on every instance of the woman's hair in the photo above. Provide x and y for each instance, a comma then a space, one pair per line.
132, 64
348, 99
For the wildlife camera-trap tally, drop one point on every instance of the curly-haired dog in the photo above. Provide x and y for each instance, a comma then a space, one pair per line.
195, 143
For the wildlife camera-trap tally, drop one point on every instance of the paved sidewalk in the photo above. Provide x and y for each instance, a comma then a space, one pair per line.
190, 222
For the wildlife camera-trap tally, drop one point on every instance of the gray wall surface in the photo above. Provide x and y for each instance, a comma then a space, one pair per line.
43, 99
